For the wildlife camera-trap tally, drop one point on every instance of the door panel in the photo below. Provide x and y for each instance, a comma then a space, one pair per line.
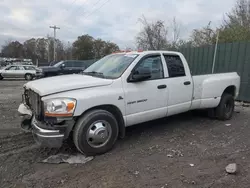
146, 100
10, 72
179, 95
68, 67
20, 71
180, 85
143, 99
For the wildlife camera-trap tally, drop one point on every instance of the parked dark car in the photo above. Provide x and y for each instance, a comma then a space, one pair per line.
63, 67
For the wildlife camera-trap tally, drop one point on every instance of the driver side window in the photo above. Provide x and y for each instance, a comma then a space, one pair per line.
11, 68
154, 64
69, 64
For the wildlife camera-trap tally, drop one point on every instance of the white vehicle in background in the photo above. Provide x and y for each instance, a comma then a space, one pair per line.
18, 71
118, 91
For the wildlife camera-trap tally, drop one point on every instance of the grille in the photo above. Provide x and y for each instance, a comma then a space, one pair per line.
33, 100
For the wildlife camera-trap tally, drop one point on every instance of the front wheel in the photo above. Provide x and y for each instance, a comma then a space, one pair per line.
226, 107
1, 77
28, 77
95, 132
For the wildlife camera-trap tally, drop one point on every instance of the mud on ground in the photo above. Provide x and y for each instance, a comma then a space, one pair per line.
186, 150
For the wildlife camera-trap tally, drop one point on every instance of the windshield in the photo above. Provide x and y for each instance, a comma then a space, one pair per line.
111, 66
58, 64
5, 67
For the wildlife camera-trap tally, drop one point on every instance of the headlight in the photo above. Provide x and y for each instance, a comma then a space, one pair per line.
61, 107
39, 70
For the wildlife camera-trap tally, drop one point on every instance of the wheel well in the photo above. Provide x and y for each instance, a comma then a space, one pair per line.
116, 112
230, 90
27, 74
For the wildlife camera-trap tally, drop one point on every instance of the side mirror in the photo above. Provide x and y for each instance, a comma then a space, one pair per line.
140, 74
62, 66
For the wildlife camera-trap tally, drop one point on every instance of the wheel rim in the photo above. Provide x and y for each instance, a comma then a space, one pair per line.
99, 133
228, 108
28, 77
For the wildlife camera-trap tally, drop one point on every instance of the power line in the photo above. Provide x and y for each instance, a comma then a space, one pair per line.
66, 9
80, 8
87, 4
73, 3
93, 10
96, 9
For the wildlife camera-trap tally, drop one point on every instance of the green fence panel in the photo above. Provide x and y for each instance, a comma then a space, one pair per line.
210, 59
220, 63
188, 53
234, 57
241, 57
205, 60
200, 60
244, 70
228, 55
217, 59
231, 57
191, 60
196, 61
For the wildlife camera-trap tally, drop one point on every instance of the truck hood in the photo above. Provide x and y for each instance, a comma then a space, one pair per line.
57, 84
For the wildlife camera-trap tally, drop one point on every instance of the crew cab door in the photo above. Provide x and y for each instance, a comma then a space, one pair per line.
146, 100
179, 83
20, 72
78, 67
10, 72
66, 68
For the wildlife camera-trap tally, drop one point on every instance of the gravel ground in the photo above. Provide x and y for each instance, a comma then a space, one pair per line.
186, 150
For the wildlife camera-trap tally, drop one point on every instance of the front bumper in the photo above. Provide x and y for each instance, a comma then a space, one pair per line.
49, 136
39, 75
45, 137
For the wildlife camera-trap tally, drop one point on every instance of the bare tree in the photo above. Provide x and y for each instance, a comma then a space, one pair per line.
153, 35
176, 29
240, 14
236, 24
203, 36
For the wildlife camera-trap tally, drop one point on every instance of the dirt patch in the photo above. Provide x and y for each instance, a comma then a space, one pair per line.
187, 150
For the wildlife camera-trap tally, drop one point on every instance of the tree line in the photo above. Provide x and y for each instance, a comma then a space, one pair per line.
153, 36
41, 49
235, 26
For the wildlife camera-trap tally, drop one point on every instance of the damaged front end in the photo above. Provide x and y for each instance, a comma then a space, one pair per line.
26, 115
49, 132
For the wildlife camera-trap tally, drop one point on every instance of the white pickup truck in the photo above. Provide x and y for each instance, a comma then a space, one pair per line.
120, 90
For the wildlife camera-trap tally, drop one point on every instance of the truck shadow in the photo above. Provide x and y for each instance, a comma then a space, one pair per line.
149, 129
146, 131
167, 124
12, 79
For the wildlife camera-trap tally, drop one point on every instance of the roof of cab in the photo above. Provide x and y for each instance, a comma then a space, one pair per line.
148, 52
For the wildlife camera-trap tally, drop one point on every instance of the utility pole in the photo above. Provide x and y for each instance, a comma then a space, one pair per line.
70, 50
55, 28
215, 50
48, 45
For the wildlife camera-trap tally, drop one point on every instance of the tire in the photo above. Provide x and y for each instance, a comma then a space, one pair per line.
224, 111
1, 77
28, 77
95, 121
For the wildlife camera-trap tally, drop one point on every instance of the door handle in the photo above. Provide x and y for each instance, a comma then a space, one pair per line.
161, 86
187, 83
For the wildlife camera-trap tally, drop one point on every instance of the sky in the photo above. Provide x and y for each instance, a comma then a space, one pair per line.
113, 20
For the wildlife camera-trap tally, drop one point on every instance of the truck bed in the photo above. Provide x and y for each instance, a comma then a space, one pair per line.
207, 89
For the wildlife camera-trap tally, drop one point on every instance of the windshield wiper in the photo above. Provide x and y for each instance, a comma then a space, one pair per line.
94, 73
